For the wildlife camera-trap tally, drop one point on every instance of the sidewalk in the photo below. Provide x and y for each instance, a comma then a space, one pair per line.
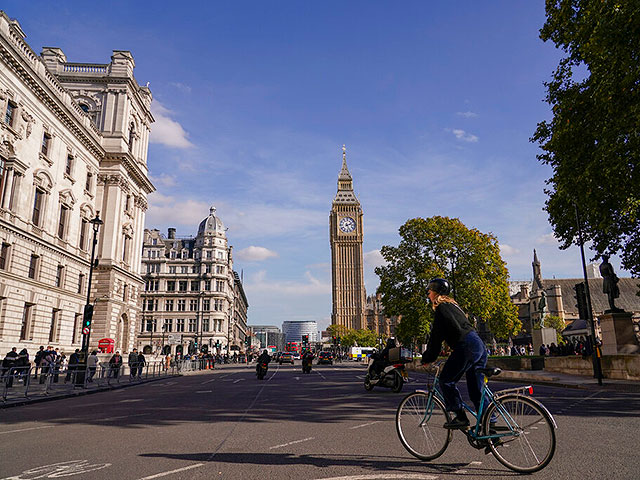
542, 377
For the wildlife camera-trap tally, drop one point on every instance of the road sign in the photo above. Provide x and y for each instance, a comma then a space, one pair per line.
174, 338
85, 330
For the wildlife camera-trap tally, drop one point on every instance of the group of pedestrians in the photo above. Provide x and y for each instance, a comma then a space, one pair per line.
136, 364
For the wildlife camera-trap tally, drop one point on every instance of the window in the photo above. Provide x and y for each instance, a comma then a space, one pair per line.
173, 256
84, 225
25, 330
152, 285
149, 304
87, 184
207, 285
208, 268
182, 285
80, 283
4, 256
153, 268
68, 169
219, 285
84, 107
153, 241
172, 268
125, 248
218, 305
59, 277
209, 254
10, 113
125, 292
53, 329
206, 304
127, 206
33, 266
193, 305
184, 269
182, 305
180, 325
76, 328
62, 222
37, 207
168, 325
193, 326
195, 285
150, 325
184, 257
168, 305
219, 269
171, 285
205, 324
46, 143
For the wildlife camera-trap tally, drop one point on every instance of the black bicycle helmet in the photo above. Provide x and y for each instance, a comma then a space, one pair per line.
440, 286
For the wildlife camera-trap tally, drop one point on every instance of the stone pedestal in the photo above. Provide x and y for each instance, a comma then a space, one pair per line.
545, 336
618, 336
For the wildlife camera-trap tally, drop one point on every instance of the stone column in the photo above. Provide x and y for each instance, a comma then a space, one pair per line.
618, 336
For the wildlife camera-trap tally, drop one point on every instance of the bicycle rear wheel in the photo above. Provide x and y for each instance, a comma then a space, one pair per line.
531, 446
419, 426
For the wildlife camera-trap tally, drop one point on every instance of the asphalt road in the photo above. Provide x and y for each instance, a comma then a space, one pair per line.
225, 424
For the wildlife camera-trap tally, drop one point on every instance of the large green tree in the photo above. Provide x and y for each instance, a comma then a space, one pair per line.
444, 247
592, 143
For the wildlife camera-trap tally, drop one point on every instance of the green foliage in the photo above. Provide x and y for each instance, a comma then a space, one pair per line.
446, 248
592, 143
362, 338
558, 324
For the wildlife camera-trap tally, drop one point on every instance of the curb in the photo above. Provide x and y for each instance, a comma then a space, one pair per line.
79, 393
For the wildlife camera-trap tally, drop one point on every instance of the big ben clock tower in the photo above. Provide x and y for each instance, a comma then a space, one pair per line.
345, 234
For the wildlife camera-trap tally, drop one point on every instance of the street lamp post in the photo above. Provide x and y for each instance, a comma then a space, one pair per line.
88, 308
151, 325
164, 329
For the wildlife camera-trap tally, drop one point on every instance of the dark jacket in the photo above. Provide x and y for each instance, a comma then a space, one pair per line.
264, 358
116, 360
141, 360
450, 325
133, 358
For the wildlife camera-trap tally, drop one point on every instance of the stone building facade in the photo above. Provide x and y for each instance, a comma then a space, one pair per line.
347, 264
73, 144
377, 321
192, 297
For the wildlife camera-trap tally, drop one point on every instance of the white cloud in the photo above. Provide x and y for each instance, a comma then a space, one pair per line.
165, 130
164, 180
373, 259
259, 283
464, 136
547, 239
166, 210
467, 114
181, 86
508, 250
255, 254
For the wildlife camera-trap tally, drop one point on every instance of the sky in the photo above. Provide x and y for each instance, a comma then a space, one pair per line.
253, 100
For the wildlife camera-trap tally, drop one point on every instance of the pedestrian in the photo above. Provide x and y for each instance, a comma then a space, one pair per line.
115, 363
8, 365
92, 365
133, 363
47, 364
543, 350
59, 363
141, 363
74, 361
38, 360
22, 365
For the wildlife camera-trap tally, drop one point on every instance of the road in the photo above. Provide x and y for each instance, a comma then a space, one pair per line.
225, 424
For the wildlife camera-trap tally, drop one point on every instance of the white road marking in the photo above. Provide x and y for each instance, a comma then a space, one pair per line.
62, 469
122, 416
132, 400
204, 391
25, 429
291, 443
239, 380
164, 474
297, 378
323, 377
386, 476
208, 381
364, 425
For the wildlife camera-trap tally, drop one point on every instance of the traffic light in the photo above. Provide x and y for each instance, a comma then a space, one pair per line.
88, 315
305, 339
335, 340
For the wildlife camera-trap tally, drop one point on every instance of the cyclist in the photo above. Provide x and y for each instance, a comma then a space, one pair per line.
468, 351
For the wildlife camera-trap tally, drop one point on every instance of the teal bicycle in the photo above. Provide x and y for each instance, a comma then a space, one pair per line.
515, 427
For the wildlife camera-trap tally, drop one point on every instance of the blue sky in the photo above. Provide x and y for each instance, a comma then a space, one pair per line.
253, 100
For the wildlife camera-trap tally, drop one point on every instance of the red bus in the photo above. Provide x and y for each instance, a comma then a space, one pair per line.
293, 347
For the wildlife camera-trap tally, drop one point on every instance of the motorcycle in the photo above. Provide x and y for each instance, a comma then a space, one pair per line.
392, 376
262, 370
306, 365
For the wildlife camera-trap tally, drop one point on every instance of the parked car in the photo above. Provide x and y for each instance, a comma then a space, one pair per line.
286, 358
325, 357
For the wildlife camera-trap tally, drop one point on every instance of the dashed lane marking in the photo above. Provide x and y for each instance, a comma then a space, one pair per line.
204, 391
364, 425
25, 429
208, 381
238, 380
291, 443
386, 476
170, 472
323, 377
122, 416
132, 400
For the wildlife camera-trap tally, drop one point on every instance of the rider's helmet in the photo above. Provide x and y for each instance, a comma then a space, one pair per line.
391, 343
440, 286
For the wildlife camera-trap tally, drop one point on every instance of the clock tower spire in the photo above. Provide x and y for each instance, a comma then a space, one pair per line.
345, 236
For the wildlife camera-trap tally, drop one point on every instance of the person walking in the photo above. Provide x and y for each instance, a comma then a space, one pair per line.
141, 363
74, 364
38, 360
468, 354
115, 363
22, 365
8, 365
133, 364
92, 365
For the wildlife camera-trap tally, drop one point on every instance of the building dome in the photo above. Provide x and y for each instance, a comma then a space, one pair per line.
211, 225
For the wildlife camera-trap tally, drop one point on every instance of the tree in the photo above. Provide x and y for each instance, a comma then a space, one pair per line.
592, 143
558, 324
362, 338
445, 247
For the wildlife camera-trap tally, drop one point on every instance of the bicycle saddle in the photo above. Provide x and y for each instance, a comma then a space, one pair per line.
490, 372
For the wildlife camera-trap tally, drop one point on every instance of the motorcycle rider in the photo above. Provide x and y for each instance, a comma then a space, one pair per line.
263, 358
468, 351
381, 360
307, 358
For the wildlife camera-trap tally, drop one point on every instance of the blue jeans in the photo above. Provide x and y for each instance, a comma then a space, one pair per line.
468, 355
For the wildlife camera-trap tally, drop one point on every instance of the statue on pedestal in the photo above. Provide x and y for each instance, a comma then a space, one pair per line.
610, 283
542, 306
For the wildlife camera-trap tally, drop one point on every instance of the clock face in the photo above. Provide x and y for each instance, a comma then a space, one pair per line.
347, 224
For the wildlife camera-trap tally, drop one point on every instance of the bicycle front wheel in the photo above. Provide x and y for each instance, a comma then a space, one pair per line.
420, 426
530, 438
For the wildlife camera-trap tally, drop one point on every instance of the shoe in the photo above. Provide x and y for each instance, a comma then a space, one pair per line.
457, 423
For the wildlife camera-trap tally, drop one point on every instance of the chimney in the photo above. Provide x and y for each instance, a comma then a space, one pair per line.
172, 233
524, 290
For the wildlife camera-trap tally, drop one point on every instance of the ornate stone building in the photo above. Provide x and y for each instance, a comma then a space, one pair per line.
73, 144
377, 321
345, 237
192, 296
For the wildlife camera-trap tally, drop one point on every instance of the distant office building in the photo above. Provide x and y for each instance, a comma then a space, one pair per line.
268, 335
293, 331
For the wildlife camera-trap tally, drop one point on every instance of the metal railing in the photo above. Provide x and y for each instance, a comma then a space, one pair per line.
45, 380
